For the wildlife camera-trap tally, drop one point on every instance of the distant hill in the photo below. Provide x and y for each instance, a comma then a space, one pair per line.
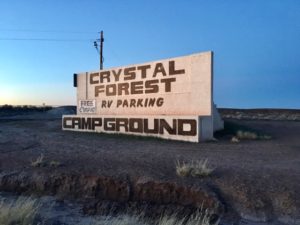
34, 112
260, 114
49, 112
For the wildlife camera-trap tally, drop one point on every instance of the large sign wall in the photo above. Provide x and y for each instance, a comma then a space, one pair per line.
177, 86
169, 98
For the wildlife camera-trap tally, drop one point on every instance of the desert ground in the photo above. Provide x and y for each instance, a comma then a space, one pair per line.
255, 180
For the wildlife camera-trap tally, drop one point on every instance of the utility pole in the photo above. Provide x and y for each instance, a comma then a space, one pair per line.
101, 40
101, 50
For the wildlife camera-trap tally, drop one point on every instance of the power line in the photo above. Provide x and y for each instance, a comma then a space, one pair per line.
45, 39
47, 31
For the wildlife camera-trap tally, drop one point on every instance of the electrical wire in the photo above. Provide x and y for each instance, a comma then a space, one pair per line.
45, 39
47, 31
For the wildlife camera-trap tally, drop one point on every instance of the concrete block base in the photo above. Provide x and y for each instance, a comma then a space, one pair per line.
183, 128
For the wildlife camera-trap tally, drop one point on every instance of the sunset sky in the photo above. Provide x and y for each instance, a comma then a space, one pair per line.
256, 45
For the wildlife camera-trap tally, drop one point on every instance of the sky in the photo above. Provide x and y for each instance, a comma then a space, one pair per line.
256, 45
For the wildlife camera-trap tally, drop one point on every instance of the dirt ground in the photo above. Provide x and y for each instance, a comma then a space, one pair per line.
256, 180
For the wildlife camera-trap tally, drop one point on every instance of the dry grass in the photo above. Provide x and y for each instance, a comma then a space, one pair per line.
54, 163
248, 135
24, 211
20, 212
122, 220
234, 139
39, 162
199, 168
199, 218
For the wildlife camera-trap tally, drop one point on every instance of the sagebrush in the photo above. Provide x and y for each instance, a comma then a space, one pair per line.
250, 135
39, 162
198, 168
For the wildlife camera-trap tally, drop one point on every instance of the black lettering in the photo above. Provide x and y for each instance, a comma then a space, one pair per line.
173, 71
76, 122
132, 103
154, 130
139, 102
109, 103
151, 86
65, 123
119, 102
159, 102
109, 124
96, 122
151, 102
143, 70
163, 125
122, 122
192, 130
81, 123
146, 102
137, 87
129, 73
111, 90
99, 89
117, 74
105, 75
159, 68
168, 82
123, 87
138, 122
125, 103
86, 123
92, 80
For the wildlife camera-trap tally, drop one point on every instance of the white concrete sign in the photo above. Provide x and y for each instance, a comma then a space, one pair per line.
176, 86
158, 98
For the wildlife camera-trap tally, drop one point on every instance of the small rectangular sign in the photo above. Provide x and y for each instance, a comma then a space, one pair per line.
87, 106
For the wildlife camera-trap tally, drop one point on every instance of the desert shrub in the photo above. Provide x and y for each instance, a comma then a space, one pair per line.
246, 135
265, 137
234, 139
198, 168
249, 135
240, 132
54, 163
39, 162
23, 211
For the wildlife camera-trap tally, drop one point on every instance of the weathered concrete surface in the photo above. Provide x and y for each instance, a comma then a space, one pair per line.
190, 91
